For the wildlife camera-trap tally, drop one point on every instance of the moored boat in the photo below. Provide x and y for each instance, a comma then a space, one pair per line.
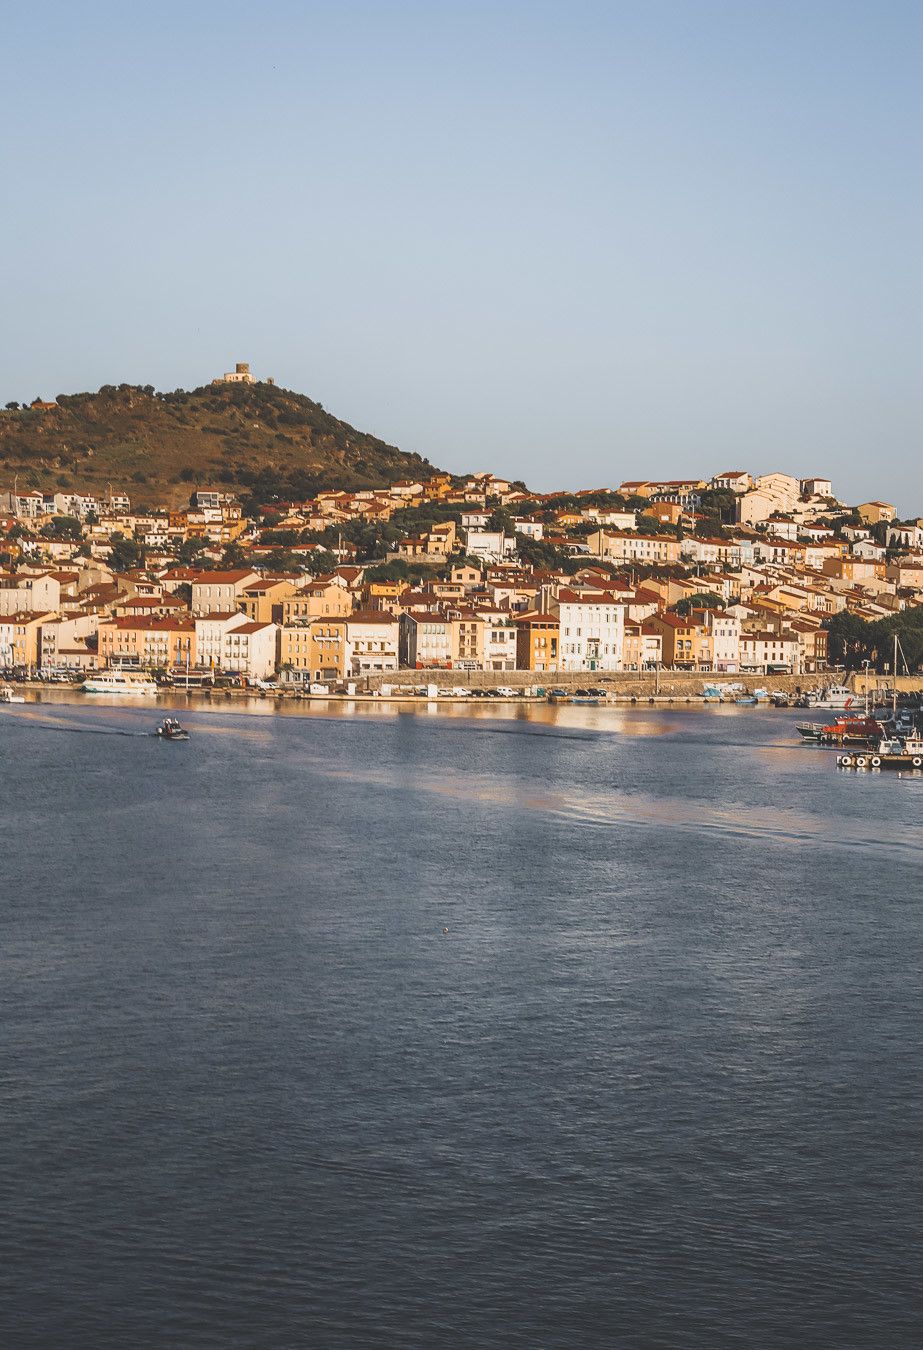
9, 695
892, 752
119, 682
833, 696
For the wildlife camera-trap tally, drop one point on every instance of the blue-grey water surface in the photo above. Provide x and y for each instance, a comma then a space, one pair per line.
659, 1085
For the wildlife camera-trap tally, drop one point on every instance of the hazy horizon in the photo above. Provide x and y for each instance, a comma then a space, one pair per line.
571, 245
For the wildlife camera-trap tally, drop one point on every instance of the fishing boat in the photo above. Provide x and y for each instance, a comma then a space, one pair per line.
843, 730
170, 730
892, 752
852, 731
9, 695
119, 682
833, 696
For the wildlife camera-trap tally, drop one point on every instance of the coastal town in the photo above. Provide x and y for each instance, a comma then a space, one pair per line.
732, 573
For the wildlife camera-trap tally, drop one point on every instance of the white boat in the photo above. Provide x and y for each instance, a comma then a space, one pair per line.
7, 695
119, 682
834, 696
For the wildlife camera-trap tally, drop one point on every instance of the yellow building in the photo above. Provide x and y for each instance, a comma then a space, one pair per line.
537, 641
263, 601
467, 639
870, 513
314, 650
685, 645
323, 598
147, 643
21, 638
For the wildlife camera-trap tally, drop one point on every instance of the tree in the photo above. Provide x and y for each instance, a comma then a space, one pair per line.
125, 554
701, 600
12, 406
62, 527
190, 549
233, 556
853, 641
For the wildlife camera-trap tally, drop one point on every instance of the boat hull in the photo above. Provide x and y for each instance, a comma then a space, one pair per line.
143, 688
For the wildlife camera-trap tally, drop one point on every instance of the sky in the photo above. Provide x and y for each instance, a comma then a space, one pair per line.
567, 242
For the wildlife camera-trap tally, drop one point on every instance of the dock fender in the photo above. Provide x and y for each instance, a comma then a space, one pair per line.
846, 761
860, 761
917, 762
875, 761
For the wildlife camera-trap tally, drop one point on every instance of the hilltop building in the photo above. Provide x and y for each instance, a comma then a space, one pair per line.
241, 374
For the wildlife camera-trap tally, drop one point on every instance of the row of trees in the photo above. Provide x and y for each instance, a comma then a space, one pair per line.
853, 641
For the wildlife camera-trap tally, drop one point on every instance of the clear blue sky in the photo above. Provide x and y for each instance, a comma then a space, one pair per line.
569, 242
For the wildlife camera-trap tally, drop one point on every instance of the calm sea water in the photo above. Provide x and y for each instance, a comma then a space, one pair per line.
659, 1085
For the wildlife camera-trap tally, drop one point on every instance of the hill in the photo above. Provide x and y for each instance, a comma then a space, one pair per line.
257, 439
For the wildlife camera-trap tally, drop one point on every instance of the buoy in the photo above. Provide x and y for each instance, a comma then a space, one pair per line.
445, 930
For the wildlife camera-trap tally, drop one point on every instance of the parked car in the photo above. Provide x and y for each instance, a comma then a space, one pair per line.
504, 691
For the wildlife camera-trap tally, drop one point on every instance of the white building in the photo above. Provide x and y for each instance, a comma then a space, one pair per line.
759, 651
592, 630
239, 375
210, 632
371, 642
25, 595
212, 591
488, 544
532, 529
816, 487
624, 547
725, 639
732, 480
251, 649
62, 640
499, 639
617, 520
906, 536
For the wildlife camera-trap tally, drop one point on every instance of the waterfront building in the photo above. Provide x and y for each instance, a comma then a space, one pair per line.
425, 640
371, 642
592, 630
251, 650
538, 636
148, 644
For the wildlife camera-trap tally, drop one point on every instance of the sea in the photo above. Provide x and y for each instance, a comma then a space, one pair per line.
507, 1026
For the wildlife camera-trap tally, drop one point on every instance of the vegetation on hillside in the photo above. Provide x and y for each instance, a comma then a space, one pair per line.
259, 440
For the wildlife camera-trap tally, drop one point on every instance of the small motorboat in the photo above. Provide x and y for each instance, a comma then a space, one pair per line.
170, 730
9, 695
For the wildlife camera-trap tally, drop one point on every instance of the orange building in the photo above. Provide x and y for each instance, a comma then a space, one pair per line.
314, 650
147, 643
537, 641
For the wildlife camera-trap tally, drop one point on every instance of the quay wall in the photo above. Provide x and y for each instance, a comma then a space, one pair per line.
624, 684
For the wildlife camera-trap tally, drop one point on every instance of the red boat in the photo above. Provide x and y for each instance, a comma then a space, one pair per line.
852, 731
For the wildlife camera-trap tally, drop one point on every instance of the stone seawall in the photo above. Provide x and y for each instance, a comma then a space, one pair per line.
625, 684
